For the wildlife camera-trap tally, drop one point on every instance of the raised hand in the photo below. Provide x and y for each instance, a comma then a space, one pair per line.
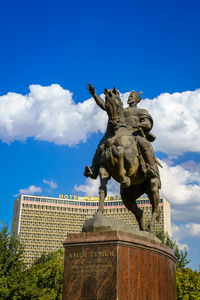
91, 89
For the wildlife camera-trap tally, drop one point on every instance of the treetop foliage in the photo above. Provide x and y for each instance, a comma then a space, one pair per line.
188, 284
42, 281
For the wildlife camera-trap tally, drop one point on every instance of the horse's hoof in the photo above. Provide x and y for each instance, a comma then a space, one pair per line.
100, 212
150, 230
89, 173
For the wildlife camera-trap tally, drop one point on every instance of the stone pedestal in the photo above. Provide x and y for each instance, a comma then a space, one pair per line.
117, 265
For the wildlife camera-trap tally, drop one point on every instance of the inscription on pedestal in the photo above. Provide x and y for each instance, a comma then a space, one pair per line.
83, 264
90, 272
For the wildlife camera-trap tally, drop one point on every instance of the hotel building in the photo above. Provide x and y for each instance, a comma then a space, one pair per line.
43, 222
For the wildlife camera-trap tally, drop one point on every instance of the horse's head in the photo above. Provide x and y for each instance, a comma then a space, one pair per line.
114, 107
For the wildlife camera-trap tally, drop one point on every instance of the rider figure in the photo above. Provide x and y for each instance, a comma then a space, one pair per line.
139, 123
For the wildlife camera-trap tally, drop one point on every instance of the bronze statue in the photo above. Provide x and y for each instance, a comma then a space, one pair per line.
125, 153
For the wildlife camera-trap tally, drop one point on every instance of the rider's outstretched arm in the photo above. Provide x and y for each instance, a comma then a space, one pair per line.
99, 101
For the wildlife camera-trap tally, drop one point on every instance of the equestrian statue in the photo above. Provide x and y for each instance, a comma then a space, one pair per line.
125, 154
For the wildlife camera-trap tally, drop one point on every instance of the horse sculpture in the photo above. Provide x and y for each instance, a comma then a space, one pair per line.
119, 157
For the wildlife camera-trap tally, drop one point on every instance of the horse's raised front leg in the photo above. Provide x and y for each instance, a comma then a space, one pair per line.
154, 197
104, 177
124, 180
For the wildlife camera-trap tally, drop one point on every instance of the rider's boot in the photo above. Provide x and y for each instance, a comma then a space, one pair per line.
149, 158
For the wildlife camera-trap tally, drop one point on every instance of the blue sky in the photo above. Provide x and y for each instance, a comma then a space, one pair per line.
50, 50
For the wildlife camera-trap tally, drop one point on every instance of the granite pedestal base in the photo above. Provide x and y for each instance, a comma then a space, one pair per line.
117, 266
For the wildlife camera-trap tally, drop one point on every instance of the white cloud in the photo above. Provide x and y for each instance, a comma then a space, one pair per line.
91, 187
192, 166
177, 121
32, 189
186, 230
182, 231
182, 188
180, 185
51, 183
50, 114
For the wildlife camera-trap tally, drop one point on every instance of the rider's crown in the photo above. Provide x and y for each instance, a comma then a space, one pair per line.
135, 96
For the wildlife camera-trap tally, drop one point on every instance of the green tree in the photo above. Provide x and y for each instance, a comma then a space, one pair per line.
44, 279
41, 281
11, 263
181, 257
165, 239
188, 284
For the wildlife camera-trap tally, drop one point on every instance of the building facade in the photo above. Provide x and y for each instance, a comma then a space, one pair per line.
43, 222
